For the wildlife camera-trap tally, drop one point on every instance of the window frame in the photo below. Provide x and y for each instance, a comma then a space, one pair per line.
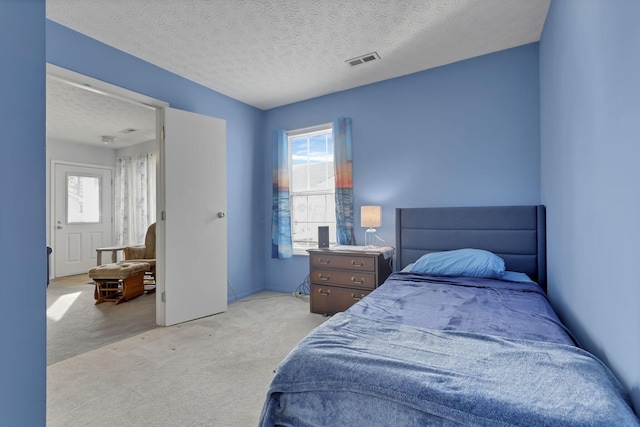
308, 132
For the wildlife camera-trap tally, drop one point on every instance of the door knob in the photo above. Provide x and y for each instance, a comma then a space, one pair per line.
59, 227
221, 214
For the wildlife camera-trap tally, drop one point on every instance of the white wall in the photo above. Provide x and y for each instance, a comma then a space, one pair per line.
143, 147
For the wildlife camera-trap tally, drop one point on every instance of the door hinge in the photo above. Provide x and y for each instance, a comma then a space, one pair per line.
164, 297
162, 134
163, 215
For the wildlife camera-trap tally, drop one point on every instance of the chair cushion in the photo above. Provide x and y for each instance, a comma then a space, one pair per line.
146, 252
151, 262
150, 242
135, 252
122, 270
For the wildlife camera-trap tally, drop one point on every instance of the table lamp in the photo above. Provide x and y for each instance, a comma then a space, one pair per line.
370, 216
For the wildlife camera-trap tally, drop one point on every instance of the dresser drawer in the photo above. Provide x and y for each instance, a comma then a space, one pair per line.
341, 277
330, 300
343, 262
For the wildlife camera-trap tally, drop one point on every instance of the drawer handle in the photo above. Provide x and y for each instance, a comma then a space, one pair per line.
322, 261
326, 294
359, 264
321, 277
354, 296
360, 282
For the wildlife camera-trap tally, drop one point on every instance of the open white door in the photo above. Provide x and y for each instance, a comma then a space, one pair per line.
192, 238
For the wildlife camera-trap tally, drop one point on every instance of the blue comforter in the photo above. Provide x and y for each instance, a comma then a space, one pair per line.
486, 306
352, 371
422, 351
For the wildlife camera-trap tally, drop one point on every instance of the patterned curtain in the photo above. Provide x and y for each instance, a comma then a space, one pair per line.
343, 164
281, 242
135, 197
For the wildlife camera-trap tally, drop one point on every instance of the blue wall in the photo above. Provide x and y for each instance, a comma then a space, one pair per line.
466, 133
22, 214
74, 51
461, 134
590, 144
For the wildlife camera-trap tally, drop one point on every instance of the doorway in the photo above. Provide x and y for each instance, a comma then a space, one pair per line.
191, 203
88, 130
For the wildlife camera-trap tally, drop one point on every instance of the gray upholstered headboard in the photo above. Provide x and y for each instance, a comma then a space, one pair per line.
515, 233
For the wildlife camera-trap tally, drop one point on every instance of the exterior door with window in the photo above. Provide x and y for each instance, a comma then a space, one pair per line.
82, 216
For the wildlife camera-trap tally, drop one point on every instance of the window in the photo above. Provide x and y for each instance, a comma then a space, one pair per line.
83, 199
312, 189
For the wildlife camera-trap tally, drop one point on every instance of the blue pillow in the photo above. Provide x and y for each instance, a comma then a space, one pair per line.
515, 276
461, 262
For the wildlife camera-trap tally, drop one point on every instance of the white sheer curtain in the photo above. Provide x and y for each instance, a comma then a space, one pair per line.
135, 193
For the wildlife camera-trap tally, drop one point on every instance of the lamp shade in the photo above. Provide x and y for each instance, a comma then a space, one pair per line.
370, 216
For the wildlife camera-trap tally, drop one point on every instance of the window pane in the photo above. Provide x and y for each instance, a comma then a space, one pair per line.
317, 209
321, 148
83, 199
312, 163
299, 226
299, 150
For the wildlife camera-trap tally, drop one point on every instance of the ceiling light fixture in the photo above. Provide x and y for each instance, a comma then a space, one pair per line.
106, 139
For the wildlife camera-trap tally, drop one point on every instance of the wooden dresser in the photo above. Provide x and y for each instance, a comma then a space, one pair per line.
342, 275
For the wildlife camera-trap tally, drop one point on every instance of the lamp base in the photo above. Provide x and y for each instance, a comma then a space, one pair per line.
370, 238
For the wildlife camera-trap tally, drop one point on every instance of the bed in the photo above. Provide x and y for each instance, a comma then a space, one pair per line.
434, 348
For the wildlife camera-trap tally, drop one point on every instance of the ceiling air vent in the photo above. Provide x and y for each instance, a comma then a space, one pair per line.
363, 59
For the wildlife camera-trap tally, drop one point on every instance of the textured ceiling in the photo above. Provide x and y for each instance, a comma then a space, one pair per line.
269, 53
79, 115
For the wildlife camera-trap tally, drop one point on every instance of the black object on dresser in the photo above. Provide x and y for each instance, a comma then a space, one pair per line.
340, 276
323, 236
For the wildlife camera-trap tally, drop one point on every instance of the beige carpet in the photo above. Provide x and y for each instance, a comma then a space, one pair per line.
209, 372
